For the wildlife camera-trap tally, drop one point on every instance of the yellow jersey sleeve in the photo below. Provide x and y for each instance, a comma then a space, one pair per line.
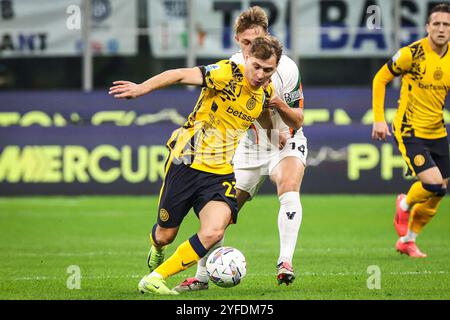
401, 62
398, 65
381, 79
217, 76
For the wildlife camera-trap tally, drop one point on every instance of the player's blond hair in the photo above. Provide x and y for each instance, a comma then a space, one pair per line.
264, 47
251, 18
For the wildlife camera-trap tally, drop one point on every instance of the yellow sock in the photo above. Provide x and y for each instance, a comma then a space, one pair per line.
418, 194
422, 213
183, 258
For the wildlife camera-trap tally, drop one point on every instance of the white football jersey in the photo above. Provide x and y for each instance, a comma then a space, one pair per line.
287, 83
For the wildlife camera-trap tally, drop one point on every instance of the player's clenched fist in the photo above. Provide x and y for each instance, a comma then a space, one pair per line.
126, 90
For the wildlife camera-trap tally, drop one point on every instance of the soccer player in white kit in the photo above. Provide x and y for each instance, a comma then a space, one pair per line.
256, 157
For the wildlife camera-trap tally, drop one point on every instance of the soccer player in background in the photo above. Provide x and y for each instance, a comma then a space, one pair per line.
419, 127
198, 172
253, 162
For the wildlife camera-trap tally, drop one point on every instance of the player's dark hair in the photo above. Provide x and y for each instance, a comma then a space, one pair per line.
442, 7
251, 18
264, 47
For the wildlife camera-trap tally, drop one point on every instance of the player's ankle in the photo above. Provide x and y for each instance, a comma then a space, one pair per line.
409, 237
404, 205
202, 274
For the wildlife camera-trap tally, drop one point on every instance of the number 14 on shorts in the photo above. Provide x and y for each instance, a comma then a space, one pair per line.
300, 148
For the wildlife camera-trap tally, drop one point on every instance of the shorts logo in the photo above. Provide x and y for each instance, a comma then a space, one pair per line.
438, 74
251, 103
163, 215
419, 160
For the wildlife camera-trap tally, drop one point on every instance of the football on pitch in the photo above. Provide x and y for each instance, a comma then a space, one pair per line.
226, 267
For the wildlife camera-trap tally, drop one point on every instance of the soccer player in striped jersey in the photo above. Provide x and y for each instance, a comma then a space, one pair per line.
419, 128
256, 157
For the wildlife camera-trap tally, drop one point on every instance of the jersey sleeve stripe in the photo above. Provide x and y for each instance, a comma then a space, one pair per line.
203, 71
389, 65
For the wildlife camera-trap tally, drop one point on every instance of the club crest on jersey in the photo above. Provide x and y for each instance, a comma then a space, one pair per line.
438, 74
419, 160
163, 215
251, 103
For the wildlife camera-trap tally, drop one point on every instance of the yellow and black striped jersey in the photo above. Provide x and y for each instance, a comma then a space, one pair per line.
225, 109
425, 84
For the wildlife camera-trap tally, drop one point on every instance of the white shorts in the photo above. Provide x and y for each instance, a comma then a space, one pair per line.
253, 165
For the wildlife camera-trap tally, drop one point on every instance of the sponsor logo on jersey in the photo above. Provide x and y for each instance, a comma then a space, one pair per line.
240, 114
432, 87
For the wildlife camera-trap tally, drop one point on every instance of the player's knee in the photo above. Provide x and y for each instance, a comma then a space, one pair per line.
212, 236
438, 189
164, 237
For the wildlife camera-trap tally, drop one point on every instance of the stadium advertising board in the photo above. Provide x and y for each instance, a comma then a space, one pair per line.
54, 28
343, 28
98, 145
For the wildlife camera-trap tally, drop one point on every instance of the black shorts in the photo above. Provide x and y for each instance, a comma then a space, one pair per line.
185, 188
421, 154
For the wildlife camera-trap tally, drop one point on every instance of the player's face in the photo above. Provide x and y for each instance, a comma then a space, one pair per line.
439, 28
245, 38
258, 71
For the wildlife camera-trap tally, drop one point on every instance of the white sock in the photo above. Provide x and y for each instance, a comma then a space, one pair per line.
410, 236
201, 274
289, 221
404, 205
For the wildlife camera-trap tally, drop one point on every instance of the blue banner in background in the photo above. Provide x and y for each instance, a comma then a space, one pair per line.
76, 143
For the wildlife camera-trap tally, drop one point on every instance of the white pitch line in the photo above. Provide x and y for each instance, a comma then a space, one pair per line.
306, 274
78, 254
140, 253
102, 277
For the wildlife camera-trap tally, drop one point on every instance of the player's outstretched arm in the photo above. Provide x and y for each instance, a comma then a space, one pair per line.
380, 128
130, 90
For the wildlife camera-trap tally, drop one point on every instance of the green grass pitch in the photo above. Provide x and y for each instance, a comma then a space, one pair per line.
107, 238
